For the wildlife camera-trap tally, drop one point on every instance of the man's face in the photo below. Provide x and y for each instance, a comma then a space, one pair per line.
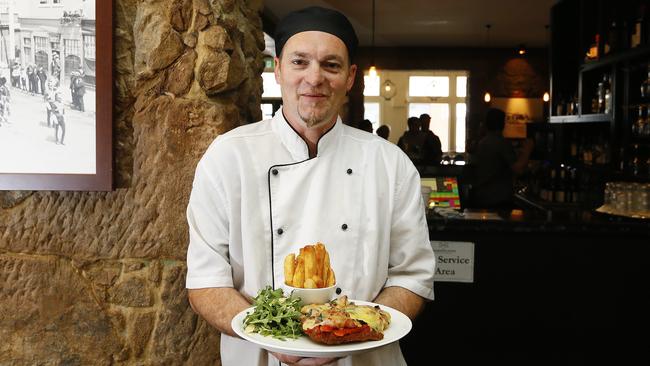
314, 75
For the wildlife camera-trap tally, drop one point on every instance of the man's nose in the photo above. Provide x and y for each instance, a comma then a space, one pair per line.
314, 75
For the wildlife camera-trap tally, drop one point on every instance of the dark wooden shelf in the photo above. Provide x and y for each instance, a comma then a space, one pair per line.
582, 118
615, 58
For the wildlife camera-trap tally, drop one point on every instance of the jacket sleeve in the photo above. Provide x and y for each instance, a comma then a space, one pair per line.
412, 261
207, 217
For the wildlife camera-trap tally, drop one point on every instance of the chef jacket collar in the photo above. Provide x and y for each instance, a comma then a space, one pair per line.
296, 145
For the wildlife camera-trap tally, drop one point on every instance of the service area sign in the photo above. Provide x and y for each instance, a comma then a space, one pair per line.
454, 261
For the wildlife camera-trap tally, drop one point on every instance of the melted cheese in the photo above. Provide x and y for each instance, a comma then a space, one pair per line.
341, 314
375, 318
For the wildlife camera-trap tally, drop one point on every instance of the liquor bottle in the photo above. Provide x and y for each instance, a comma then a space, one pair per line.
622, 162
553, 188
574, 186
587, 154
604, 95
607, 85
592, 53
644, 130
638, 27
573, 149
574, 102
637, 126
635, 166
560, 191
559, 106
544, 184
645, 86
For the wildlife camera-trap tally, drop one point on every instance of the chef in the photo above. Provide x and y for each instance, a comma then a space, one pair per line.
264, 190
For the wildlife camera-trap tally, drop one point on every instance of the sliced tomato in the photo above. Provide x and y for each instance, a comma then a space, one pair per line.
345, 331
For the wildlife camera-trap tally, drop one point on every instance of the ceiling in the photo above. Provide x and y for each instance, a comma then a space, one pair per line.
438, 23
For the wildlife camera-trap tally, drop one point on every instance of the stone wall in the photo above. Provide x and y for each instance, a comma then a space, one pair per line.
98, 278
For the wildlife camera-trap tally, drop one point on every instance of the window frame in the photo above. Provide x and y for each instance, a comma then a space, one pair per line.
451, 100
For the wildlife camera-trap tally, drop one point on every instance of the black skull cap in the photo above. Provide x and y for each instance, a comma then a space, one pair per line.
316, 18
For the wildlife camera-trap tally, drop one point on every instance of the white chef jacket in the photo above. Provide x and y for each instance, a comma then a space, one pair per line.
257, 196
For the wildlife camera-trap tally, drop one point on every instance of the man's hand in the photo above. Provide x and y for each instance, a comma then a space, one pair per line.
218, 306
303, 361
401, 299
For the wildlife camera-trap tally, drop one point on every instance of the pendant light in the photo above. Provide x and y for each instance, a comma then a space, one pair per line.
372, 72
487, 97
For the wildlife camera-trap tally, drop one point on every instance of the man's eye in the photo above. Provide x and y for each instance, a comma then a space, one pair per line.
332, 65
299, 62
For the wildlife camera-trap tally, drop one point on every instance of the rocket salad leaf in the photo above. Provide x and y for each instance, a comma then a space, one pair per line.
274, 315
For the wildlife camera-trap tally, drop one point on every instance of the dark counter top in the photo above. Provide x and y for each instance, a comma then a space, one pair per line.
531, 220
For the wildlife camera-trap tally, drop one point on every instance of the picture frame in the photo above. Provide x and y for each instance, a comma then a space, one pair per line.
43, 160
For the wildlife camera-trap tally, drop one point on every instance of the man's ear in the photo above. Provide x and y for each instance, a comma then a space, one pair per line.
351, 76
276, 69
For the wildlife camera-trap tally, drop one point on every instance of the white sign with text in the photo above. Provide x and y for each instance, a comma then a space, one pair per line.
454, 261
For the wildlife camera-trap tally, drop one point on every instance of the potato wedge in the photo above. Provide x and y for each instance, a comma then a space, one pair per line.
299, 273
289, 268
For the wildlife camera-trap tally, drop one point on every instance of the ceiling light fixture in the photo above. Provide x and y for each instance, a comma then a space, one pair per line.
388, 90
521, 50
372, 72
487, 97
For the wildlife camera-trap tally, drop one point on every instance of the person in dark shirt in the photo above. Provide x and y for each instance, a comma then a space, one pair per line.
496, 164
411, 141
383, 131
431, 146
366, 125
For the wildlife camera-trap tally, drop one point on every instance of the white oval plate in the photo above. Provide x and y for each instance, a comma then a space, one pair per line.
399, 326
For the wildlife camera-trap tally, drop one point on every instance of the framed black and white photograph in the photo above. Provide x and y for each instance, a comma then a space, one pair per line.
56, 95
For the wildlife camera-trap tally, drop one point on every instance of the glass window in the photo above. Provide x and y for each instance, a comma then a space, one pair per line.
371, 112
27, 41
271, 87
461, 111
71, 47
429, 86
89, 46
40, 43
371, 86
439, 113
461, 86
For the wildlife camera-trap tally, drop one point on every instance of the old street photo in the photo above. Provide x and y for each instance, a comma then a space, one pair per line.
47, 87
